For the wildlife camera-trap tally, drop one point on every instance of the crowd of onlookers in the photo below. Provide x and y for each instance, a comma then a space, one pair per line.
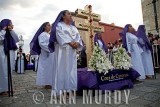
155, 41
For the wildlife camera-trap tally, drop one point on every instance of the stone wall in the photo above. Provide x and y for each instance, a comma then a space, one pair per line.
148, 15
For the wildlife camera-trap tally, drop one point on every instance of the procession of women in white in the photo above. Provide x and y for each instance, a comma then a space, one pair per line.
56, 46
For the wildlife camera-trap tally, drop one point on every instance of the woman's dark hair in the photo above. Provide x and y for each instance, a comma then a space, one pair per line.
20, 50
110, 47
150, 34
128, 27
120, 40
64, 14
45, 26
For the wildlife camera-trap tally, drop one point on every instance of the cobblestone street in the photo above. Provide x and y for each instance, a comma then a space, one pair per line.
145, 93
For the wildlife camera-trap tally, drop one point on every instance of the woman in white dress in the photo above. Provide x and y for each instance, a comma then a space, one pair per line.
147, 49
68, 40
130, 42
3, 50
20, 62
39, 46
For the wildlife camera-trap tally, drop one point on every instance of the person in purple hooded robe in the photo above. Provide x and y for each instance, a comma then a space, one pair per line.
4, 49
39, 46
147, 50
64, 41
98, 39
130, 43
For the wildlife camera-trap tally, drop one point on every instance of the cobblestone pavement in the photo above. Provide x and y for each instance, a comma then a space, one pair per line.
145, 93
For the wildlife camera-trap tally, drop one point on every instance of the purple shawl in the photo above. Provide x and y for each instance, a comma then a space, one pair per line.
96, 40
141, 34
53, 39
12, 43
123, 35
35, 49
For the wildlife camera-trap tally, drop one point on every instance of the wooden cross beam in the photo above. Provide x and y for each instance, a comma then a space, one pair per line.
86, 26
87, 14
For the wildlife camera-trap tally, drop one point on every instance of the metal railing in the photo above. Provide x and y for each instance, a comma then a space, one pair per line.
155, 58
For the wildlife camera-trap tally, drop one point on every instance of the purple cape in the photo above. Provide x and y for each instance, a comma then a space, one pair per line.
35, 49
96, 40
12, 43
123, 35
141, 34
53, 39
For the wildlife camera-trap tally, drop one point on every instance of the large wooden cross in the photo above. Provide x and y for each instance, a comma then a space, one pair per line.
90, 26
